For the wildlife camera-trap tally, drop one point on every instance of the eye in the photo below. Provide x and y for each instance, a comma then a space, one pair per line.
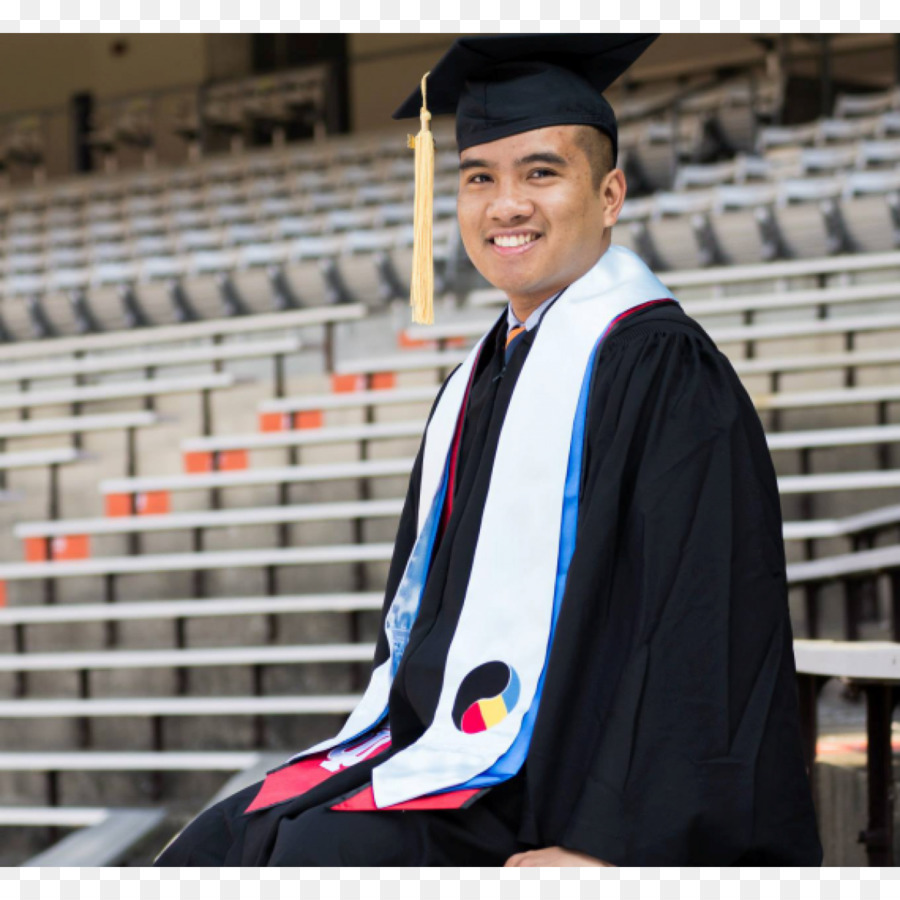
542, 173
478, 178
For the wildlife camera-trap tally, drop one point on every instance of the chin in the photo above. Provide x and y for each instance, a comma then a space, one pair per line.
506, 281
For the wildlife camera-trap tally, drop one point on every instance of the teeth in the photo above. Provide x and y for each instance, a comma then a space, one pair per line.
513, 240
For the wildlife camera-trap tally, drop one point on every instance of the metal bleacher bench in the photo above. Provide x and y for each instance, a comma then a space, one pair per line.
402, 362
751, 303
247, 477
314, 512
303, 437
326, 316
219, 518
150, 707
279, 654
793, 440
150, 359
36, 458
786, 269
104, 837
18, 618
868, 522
796, 440
192, 562
445, 360
52, 764
845, 325
720, 276
351, 400
852, 571
77, 424
116, 390
875, 667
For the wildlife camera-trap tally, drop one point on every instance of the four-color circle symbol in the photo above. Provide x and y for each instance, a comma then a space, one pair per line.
485, 697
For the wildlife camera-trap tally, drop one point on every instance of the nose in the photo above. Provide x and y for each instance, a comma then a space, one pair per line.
509, 205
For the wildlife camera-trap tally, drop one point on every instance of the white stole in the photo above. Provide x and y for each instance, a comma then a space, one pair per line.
508, 606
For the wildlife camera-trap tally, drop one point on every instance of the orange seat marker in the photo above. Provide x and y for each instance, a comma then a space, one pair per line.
345, 384
274, 421
309, 418
152, 503
70, 546
231, 460
405, 342
383, 381
35, 549
119, 505
198, 461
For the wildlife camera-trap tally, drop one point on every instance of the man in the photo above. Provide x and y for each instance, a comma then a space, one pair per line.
586, 653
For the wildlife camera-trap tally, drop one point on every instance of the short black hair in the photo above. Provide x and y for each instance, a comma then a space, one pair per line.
598, 148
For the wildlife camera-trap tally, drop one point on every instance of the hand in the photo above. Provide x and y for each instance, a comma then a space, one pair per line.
555, 857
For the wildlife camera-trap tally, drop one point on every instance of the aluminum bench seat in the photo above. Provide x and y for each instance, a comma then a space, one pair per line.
278, 654
844, 565
144, 707
186, 331
402, 362
198, 561
219, 518
471, 328
38, 458
78, 424
351, 399
115, 362
250, 477
116, 390
104, 837
189, 609
305, 437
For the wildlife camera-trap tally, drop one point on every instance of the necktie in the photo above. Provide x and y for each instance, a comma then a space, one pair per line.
513, 338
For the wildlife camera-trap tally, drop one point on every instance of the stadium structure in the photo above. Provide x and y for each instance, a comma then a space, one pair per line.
211, 396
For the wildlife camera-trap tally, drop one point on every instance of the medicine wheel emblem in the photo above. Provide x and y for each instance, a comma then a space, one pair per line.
485, 697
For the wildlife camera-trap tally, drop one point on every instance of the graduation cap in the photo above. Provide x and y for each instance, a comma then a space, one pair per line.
501, 85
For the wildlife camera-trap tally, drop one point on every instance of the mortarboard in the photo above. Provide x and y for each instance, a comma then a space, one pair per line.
501, 85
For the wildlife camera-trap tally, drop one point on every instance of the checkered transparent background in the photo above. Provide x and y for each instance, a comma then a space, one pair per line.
448, 15
382, 16
451, 884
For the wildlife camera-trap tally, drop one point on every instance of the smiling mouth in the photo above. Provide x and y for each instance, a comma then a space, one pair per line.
513, 241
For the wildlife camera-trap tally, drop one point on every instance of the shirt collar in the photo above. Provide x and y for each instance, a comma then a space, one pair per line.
533, 320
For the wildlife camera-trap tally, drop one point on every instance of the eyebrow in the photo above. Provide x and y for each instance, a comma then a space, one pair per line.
544, 156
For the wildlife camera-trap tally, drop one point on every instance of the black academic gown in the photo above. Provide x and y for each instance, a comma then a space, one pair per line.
668, 730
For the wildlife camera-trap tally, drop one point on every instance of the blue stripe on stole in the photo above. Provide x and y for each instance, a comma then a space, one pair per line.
414, 577
409, 592
511, 761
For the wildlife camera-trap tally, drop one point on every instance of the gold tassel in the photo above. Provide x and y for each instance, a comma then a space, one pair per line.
421, 291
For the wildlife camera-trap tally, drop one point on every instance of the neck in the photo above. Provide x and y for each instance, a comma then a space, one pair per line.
523, 307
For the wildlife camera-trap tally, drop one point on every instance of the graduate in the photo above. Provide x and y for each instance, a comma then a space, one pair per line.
586, 655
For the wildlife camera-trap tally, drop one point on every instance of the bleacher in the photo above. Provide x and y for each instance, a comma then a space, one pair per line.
210, 406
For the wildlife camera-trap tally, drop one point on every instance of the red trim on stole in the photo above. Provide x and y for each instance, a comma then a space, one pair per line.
293, 780
364, 801
635, 309
454, 455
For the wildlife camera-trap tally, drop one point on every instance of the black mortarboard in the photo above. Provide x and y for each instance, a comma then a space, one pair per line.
500, 85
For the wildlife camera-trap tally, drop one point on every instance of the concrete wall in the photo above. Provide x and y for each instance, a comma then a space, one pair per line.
39, 70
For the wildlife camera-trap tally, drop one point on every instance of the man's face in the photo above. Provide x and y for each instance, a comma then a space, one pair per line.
530, 217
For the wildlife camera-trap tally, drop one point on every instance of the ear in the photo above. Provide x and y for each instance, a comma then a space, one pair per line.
613, 189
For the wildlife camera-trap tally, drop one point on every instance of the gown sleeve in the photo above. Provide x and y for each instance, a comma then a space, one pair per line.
675, 619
